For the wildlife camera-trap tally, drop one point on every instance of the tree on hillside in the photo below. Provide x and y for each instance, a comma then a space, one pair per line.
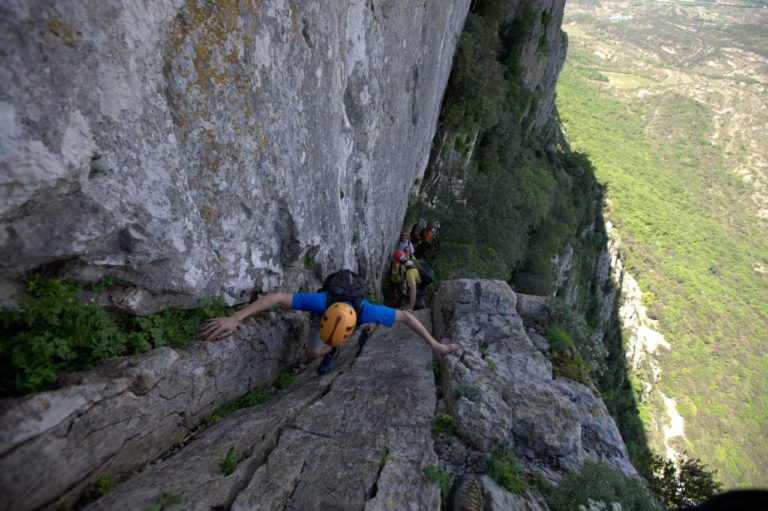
688, 484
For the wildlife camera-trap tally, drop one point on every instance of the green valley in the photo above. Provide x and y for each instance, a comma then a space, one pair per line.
670, 102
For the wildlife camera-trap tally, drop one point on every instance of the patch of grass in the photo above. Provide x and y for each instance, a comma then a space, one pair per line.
166, 500
285, 379
491, 366
434, 366
255, 397
232, 459
442, 426
384, 458
439, 476
309, 262
504, 470
95, 490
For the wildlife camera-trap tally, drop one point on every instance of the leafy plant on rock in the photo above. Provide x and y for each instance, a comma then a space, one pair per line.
232, 459
504, 470
439, 476
51, 332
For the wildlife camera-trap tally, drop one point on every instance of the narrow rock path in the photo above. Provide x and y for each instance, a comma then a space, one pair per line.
355, 438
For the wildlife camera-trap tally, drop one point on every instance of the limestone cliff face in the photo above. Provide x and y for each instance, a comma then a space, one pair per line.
206, 148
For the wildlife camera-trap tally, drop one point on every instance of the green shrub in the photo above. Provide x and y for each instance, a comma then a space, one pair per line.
559, 339
442, 426
284, 380
254, 397
571, 332
232, 459
51, 333
434, 366
95, 490
103, 284
504, 470
166, 500
600, 483
439, 476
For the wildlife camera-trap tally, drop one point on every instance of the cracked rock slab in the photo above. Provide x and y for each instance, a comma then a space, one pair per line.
114, 419
355, 438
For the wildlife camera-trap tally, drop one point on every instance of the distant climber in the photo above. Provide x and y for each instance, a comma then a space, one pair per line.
407, 279
343, 310
426, 240
405, 244
416, 232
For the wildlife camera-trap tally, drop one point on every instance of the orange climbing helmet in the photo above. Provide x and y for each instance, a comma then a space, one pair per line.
398, 255
338, 323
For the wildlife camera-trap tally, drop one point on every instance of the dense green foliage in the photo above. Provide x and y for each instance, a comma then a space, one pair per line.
519, 204
692, 242
597, 483
442, 426
688, 484
51, 332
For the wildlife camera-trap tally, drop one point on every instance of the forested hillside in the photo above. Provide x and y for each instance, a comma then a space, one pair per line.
667, 100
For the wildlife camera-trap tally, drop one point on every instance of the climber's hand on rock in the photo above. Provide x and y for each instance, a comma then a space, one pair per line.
219, 328
444, 349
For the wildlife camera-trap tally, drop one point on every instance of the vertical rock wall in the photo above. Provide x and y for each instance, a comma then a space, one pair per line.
214, 147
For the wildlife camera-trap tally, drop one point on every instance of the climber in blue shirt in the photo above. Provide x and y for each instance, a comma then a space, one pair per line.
339, 320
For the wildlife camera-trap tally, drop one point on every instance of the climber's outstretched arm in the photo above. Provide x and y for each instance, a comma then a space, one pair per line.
415, 325
219, 328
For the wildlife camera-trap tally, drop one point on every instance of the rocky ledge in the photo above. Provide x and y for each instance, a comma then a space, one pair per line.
359, 437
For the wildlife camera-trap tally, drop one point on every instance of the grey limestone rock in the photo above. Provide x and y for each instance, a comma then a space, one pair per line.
355, 438
202, 148
501, 391
116, 418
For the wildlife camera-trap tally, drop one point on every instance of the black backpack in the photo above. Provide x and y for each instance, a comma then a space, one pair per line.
345, 286
426, 272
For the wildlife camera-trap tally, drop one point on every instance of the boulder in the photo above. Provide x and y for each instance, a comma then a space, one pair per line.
501, 391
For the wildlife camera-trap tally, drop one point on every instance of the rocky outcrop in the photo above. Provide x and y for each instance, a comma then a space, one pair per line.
206, 148
355, 438
502, 394
358, 437
126, 413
